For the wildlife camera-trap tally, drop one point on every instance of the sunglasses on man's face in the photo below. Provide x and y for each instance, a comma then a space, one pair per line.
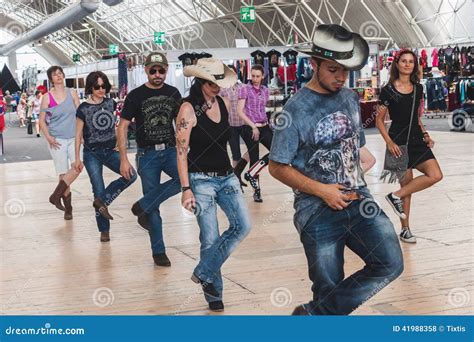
99, 86
155, 70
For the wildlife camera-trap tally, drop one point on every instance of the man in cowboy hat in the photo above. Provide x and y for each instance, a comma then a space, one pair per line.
317, 154
154, 106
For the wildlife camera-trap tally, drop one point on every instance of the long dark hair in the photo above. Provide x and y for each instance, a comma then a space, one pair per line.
395, 73
196, 97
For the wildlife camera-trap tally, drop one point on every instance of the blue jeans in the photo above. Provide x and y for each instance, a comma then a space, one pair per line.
150, 164
216, 248
369, 234
94, 162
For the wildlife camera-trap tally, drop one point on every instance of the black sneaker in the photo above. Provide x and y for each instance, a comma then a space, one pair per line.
161, 260
207, 288
397, 205
216, 306
407, 236
300, 310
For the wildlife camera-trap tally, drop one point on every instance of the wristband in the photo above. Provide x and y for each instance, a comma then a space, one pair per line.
184, 188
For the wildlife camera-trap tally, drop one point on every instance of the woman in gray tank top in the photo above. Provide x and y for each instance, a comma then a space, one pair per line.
58, 124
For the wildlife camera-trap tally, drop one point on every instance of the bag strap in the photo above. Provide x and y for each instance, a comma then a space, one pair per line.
412, 112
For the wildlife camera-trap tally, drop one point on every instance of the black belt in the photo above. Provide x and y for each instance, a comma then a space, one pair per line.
216, 174
157, 147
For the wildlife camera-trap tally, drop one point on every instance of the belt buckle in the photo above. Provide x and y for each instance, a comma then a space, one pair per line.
160, 147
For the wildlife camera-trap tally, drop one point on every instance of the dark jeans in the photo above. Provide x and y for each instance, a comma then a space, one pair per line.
266, 136
150, 164
94, 161
370, 235
235, 133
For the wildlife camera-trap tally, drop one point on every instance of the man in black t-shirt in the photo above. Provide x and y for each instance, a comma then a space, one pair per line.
154, 106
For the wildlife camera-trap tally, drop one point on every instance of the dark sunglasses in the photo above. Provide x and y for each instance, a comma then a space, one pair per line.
160, 70
212, 84
99, 86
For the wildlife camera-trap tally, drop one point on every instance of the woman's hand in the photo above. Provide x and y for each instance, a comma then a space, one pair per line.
188, 201
255, 134
430, 142
78, 166
53, 143
394, 149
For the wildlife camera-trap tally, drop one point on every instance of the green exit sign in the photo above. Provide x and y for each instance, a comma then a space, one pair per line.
247, 14
76, 57
159, 37
113, 49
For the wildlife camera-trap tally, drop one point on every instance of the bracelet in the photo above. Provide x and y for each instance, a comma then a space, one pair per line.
185, 188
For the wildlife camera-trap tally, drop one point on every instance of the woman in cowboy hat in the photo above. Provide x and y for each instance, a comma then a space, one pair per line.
206, 174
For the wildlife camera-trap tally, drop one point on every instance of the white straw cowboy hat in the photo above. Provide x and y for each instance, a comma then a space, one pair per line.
333, 42
212, 69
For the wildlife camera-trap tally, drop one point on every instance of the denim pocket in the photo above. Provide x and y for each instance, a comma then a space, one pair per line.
138, 156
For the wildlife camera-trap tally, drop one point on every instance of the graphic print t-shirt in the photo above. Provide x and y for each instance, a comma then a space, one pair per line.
154, 111
99, 124
321, 139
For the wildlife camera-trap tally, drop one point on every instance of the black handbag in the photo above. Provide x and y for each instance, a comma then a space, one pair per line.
395, 168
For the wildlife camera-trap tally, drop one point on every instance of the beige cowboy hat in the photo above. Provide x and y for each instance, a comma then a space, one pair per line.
333, 42
212, 69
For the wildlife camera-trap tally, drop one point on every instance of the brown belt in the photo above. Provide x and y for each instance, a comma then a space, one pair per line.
353, 196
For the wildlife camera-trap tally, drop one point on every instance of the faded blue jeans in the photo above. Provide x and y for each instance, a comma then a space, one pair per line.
150, 164
215, 248
368, 232
94, 161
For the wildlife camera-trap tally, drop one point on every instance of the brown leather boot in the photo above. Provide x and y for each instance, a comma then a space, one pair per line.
102, 208
104, 237
68, 207
55, 197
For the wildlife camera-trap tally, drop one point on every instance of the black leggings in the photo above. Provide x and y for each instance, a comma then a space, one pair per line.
265, 138
234, 141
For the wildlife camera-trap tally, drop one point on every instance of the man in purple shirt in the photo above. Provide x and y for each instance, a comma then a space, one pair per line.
251, 109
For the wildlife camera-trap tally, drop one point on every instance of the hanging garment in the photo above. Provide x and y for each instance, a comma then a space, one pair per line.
258, 57
441, 60
456, 59
424, 58
434, 57
290, 56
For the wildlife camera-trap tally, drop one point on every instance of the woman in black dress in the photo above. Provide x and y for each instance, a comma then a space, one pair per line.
397, 98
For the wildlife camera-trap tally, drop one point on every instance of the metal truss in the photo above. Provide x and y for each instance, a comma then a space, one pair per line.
201, 24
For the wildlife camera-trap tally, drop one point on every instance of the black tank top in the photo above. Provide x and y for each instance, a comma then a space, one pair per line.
208, 143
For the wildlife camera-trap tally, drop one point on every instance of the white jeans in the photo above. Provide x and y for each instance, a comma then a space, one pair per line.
64, 156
